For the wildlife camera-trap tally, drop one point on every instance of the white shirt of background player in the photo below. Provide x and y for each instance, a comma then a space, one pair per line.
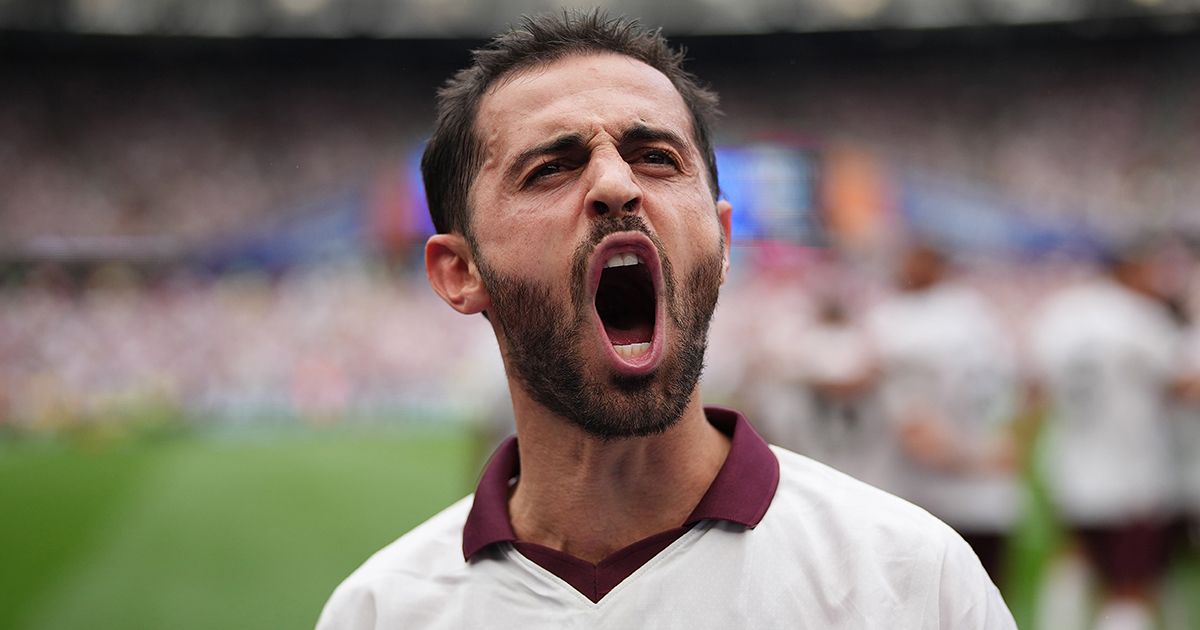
948, 364
1106, 356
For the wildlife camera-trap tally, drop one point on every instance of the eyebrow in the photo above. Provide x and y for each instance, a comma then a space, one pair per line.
640, 132
554, 146
635, 133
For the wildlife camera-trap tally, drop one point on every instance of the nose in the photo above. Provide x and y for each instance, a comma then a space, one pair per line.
612, 188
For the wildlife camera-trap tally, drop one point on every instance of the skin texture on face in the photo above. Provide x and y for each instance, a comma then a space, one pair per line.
579, 149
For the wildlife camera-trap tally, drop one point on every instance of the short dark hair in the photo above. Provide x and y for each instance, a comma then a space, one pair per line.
454, 153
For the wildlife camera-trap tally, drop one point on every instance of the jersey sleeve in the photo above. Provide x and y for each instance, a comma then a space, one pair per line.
968, 600
351, 607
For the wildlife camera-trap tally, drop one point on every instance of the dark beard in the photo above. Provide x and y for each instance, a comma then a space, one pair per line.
543, 343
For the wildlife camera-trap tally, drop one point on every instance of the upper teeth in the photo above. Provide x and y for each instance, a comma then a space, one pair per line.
623, 260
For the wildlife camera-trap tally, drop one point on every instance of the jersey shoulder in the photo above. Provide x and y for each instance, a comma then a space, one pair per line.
424, 549
862, 538
431, 553
840, 501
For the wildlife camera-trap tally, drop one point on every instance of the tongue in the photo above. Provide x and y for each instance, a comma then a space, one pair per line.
638, 333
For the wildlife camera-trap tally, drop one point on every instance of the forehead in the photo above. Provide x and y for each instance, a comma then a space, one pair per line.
588, 93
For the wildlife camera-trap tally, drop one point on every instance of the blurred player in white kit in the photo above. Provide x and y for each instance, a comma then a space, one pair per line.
949, 390
838, 368
1106, 355
814, 377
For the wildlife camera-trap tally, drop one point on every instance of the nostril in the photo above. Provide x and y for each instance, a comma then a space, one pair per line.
600, 207
631, 205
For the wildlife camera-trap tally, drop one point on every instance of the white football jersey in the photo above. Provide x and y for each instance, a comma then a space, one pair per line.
847, 433
1105, 356
945, 355
830, 553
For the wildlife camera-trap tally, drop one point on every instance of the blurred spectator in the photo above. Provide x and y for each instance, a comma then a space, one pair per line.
1105, 352
949, 390
812, 369
836, 368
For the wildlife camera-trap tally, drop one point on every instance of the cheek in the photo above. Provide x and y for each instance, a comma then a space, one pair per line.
687, 225
536, 234
697, 247
527, 248
502, 227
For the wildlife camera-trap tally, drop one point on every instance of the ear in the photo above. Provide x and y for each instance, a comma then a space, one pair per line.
453, 274
725, 218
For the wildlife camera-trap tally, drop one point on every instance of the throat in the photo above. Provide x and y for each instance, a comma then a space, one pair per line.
625, 302
593, 501
593, 528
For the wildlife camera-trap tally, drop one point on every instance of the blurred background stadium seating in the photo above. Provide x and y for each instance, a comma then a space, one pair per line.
224, 380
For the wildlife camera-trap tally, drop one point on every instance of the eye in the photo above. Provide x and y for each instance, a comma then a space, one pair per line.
659, 157
545, 170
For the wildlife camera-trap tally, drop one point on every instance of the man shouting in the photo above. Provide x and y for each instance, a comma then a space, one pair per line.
572, 180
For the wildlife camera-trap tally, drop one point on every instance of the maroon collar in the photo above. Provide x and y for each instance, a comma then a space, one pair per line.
740, 493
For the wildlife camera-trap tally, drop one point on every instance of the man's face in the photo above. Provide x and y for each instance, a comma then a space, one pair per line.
920, 268
597, 240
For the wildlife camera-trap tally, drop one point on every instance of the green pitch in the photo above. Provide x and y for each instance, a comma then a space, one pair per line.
207, 532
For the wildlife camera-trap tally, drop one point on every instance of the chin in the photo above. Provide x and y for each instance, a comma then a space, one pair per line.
622, 357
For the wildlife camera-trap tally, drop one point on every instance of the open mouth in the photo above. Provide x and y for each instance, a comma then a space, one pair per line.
626, 300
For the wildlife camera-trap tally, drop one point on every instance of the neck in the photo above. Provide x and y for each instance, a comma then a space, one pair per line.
590, 497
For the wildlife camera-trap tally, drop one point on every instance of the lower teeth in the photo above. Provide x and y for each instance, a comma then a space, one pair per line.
632, 350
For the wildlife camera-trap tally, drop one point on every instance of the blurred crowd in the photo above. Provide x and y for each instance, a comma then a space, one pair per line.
318, 344
1093, 136
199, 147
94, 153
